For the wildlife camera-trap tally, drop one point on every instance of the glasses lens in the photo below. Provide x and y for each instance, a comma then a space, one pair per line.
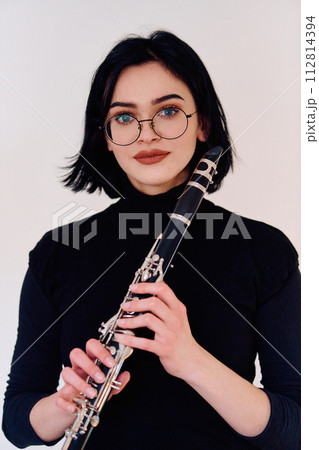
170, 123
122, 129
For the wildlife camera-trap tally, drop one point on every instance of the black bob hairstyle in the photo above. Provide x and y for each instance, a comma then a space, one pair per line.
95, 167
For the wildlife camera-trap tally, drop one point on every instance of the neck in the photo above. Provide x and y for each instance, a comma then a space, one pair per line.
155, 189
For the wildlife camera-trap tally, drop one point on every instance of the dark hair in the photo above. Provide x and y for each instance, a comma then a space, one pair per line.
95, 167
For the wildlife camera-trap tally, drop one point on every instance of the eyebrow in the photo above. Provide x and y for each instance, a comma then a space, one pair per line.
156, 101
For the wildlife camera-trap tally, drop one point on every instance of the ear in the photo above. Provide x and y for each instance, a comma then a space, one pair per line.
203, 130
201, 135
107, 141
109, 145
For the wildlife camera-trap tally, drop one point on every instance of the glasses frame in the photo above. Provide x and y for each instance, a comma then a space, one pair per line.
188, 116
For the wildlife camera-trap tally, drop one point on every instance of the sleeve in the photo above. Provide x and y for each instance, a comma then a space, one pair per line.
36, 363
278, 323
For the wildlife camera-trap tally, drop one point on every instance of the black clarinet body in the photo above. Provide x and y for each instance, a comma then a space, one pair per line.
152, 270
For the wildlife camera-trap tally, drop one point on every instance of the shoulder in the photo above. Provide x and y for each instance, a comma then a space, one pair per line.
270, 246
260, 236
70, 245
262, 247
275, 258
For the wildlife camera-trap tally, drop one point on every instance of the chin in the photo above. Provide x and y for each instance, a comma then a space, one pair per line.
155, 185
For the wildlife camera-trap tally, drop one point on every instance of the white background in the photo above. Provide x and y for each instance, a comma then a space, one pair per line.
49, 53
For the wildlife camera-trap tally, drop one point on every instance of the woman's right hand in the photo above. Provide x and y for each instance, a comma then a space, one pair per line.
51, 415
83, 366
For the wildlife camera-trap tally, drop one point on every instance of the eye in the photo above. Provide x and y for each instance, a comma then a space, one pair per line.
124, 119
168, 112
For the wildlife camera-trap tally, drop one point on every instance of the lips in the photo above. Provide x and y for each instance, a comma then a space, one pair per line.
150, 157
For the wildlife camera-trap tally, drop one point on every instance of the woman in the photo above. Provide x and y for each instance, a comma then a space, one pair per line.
227, 297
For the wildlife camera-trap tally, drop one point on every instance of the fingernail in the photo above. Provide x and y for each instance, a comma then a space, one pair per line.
90, 392
99, 377
133, 286
110, 361
121, 321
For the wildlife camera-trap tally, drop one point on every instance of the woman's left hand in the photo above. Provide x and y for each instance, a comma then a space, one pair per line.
166, 316
245, 407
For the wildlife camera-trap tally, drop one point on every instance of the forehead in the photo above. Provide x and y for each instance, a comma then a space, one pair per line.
146, 82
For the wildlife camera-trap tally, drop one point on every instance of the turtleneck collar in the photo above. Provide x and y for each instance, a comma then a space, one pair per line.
138, 201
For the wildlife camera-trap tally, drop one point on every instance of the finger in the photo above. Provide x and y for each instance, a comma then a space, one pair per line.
95, 349
141, 343
161, 290
123, 378
65, 405
147, 320
152, 304
84, 366
172, 317
71, 377
80, 371
65, 398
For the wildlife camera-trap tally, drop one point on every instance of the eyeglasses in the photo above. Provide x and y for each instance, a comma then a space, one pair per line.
168, 123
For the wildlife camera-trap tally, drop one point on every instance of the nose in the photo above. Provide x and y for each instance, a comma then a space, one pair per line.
147, 132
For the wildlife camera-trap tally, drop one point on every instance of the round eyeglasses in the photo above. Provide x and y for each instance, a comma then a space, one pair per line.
168, 123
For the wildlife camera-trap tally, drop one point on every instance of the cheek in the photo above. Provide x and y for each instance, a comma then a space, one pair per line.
188, 143
119, 158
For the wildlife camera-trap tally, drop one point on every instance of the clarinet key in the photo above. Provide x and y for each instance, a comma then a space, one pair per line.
95, 420
116, 385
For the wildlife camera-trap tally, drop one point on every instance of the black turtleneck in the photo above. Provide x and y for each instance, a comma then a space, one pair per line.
242, 297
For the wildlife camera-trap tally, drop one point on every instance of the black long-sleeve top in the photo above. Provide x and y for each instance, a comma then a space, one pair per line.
239, 280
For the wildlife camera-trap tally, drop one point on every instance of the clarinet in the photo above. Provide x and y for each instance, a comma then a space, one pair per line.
152, 270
